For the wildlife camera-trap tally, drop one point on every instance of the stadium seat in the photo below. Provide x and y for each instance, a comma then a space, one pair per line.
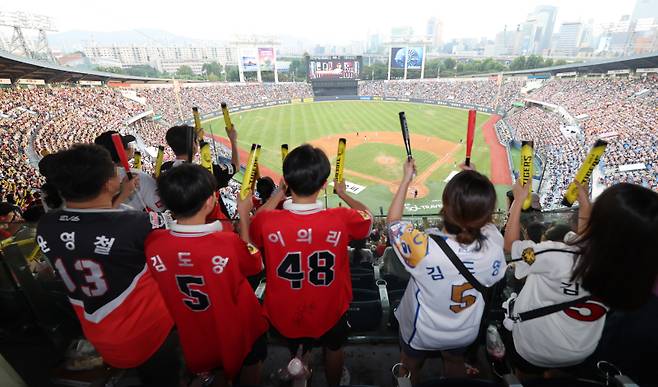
365, 311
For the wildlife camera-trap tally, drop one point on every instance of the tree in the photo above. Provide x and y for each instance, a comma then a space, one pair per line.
519, 63
534, 62
184, 72
232, 74
560, 62
548, 62
212, 68
113, 70
449, 64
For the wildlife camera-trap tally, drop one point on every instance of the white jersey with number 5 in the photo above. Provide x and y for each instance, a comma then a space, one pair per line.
440, 310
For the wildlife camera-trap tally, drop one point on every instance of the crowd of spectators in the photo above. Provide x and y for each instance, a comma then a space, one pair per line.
483, 92
623, 111
165, 100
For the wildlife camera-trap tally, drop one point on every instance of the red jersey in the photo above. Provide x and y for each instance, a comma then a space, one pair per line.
99, 255
202, 273
307, 265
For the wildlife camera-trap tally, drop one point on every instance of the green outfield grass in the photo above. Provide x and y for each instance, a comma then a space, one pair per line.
299, 123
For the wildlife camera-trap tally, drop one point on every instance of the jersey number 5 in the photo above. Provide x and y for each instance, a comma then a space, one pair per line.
462, 301
320, 265
194, 299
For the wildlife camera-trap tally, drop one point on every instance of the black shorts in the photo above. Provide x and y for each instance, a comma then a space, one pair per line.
258, 351
333, 339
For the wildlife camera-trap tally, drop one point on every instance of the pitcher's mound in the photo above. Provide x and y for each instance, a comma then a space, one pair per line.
386, 161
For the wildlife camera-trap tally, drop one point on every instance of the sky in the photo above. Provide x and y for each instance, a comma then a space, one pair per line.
322, 21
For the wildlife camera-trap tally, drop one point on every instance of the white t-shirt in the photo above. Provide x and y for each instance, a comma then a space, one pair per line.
559, 339
148, 189
440, 310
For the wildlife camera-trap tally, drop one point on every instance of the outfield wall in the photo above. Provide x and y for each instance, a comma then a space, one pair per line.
458, 105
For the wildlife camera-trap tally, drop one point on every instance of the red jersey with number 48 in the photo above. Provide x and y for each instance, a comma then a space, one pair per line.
202, 273
307, 266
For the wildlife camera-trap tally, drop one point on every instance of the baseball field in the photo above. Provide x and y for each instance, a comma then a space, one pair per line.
375, 151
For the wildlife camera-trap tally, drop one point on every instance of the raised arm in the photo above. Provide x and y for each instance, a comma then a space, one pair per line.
397, 205
513, 227
233, 137
341, 191
244, 210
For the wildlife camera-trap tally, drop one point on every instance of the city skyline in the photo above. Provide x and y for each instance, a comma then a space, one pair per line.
336, 25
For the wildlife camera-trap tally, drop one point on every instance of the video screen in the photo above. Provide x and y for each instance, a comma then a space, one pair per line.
334, 67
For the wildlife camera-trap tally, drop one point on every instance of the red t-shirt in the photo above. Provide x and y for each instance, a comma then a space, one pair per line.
201, 273
307, 266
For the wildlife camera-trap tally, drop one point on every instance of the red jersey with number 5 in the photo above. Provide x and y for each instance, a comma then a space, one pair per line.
307, 266
202, 273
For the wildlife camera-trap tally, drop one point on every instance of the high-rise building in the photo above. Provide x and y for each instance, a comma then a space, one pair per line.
401, 33
569, 39
545, 19
645, 9
434, 32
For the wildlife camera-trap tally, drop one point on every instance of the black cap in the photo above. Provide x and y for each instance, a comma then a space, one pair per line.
105, 140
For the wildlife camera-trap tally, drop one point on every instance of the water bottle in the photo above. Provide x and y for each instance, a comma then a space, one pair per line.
495, 346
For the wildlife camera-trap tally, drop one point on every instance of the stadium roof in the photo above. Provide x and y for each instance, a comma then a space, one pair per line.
15, 67
598, 66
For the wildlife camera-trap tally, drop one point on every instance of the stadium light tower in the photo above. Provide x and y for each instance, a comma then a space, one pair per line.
410, 46
258, 48
18, 44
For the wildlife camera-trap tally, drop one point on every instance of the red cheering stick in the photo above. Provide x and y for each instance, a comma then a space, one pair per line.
121, 151
470, 134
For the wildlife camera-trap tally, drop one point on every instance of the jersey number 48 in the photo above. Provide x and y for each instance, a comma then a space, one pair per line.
320, 269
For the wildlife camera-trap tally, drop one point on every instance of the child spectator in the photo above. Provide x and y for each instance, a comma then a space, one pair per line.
586, 273
307, 267
201, 271
440, 310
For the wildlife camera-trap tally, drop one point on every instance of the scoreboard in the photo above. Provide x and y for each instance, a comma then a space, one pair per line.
334, 67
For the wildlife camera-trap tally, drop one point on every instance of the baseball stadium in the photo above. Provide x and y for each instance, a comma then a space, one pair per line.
310, 223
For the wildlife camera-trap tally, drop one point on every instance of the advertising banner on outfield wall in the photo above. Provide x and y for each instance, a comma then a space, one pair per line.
414, 58
266, 59
398, 57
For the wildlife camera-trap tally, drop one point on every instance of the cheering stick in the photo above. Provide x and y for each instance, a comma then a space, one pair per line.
405, 134
340, 161
138, 160
227, 118
205, 156
158, 161
470, 134
197, 122
250, 171
121, 151
527, 153
584, 172
284, 151
190, 144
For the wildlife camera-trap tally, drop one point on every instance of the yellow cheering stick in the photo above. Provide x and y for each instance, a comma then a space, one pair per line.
227, 117
526, 167
206, 155
197, 123
250, 171
340, 161
158, 161
284, 152
585, 171
137, 160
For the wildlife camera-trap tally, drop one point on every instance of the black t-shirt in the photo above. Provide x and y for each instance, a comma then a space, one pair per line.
99, 253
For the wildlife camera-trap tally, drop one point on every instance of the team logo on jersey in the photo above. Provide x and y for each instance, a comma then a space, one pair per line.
413, 245
528, 255
253, 250
364, 215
